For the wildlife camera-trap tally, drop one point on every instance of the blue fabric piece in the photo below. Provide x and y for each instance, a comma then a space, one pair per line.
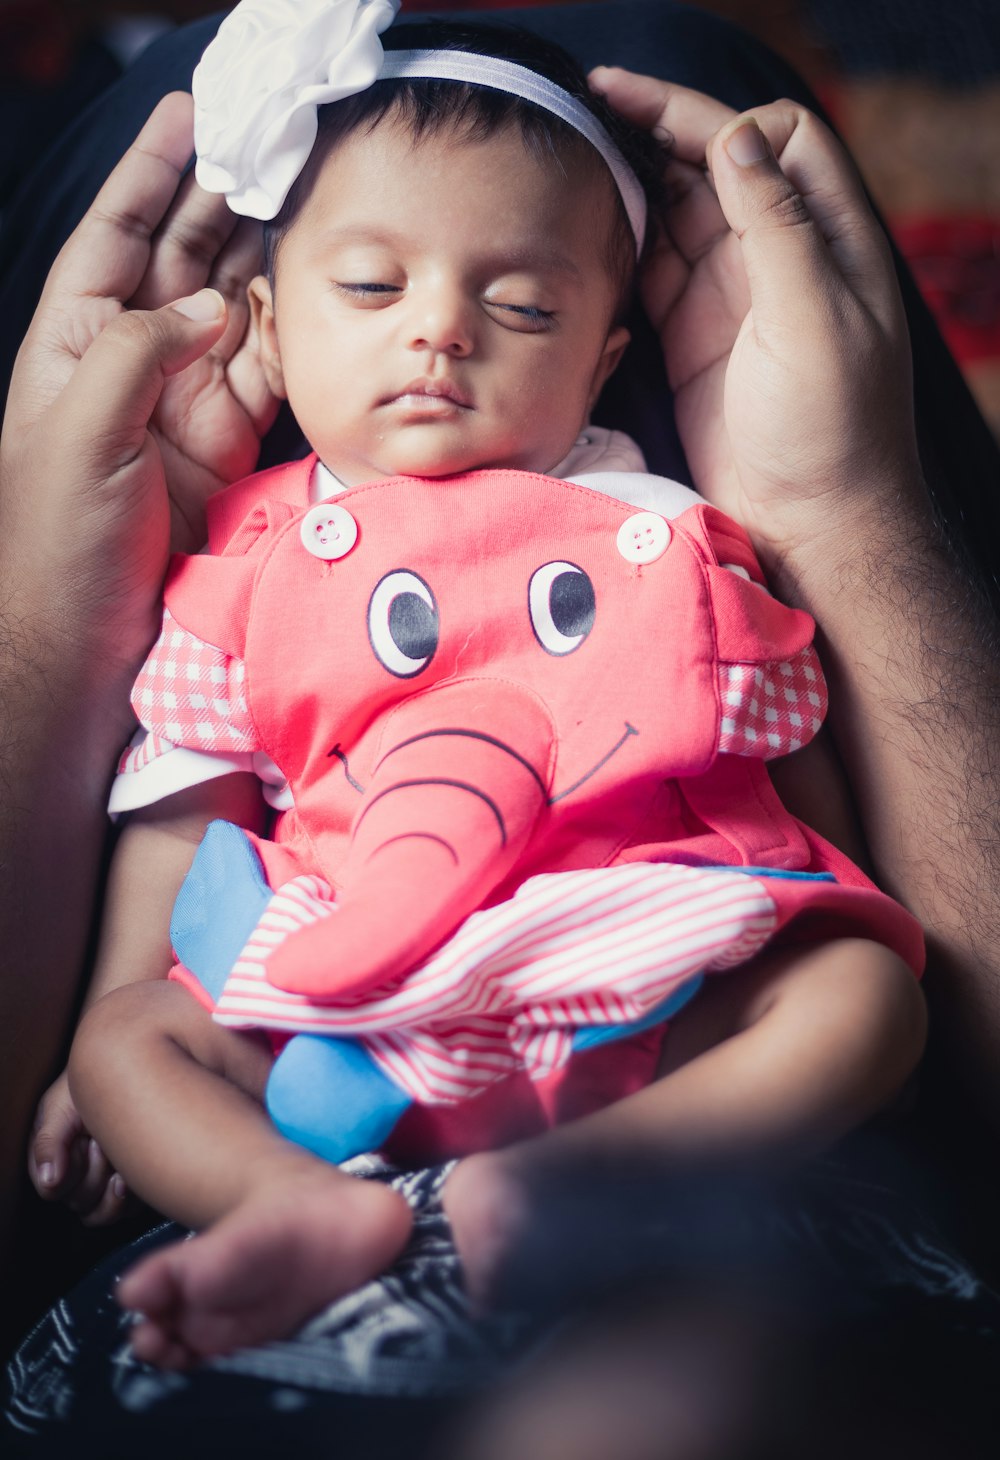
773, 872
330, 1096
597, 1034
219, 904
325, 1094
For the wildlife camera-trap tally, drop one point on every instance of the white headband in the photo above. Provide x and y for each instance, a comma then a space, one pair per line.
274, 62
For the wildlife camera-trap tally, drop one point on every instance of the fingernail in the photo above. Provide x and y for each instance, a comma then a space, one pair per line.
94, 1148
118, 1186
206, 304
47, 1174
747, 144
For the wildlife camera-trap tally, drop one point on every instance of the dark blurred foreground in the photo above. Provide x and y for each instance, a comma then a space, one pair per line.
735, 1316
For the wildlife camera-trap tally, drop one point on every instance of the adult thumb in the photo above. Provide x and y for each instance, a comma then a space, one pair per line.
782, 244
106, 406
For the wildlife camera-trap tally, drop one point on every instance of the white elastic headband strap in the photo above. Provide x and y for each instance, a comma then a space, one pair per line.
273, 63
507, 76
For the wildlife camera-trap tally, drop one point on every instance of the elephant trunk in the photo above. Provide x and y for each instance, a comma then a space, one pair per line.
452, 801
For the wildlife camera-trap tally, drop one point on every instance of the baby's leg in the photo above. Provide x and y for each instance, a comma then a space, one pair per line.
772, 1061
174, 1100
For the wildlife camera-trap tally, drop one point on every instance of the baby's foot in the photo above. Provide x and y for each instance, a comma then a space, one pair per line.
486, 1201
265, 1268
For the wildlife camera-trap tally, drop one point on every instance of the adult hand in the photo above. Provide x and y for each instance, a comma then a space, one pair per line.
66, 1164
776, 301
772, 288
134, 377
121, 392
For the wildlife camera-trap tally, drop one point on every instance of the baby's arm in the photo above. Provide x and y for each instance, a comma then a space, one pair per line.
774, 1061
153, 854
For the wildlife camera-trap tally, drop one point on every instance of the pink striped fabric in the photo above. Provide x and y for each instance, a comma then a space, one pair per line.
137, 757
510, 987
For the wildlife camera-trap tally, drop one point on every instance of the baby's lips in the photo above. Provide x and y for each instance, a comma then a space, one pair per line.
435, 389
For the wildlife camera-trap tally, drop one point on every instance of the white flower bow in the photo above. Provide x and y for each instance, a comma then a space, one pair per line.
257, 87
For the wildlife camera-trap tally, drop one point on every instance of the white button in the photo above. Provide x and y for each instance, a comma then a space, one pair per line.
328, 531
643, 537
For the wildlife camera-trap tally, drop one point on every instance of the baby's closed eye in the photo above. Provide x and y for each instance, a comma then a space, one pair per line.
527, 317
367, 293
529, 313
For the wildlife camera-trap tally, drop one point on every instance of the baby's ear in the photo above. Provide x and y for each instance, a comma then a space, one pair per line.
614, 349
261, 299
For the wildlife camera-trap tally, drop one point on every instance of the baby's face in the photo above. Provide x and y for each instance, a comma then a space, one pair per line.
442, 305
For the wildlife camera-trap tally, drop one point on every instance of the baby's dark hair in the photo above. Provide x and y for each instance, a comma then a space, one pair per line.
477, 113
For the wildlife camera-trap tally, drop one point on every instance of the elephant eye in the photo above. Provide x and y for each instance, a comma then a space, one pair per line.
561, 603
403, 623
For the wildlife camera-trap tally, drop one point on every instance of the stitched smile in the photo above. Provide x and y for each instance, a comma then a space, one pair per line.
630, 730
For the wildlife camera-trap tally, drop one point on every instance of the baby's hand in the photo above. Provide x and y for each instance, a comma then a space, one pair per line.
66, 1164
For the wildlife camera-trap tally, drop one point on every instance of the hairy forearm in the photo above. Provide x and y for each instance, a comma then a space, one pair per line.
61, 725
910, 649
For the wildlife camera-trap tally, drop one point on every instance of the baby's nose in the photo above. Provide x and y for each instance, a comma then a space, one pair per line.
443, 321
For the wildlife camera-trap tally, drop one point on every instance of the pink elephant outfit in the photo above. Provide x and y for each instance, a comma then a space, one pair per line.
520, 730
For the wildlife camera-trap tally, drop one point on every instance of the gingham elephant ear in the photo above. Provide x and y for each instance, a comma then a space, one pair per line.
771, 690
771, 709
191, 693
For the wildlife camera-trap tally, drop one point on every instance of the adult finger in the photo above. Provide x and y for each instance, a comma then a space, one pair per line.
111, 1203
107, 253
238, 258
103, 262
810, 157
676, 115
185, 247
792, 195
694, 218
91, 1189
135, 353
685, 121
664, 277
49, 1156
238, 262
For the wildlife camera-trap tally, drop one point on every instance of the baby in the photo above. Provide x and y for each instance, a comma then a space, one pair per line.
505, 692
